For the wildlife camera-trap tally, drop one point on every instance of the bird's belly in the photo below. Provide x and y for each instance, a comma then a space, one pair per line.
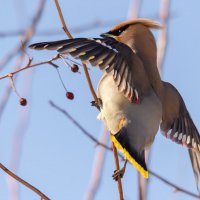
142, 120
113, 103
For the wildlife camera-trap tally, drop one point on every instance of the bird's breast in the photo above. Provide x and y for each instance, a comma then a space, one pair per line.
113, 103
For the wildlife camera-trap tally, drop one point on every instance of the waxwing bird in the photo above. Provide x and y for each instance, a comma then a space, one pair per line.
134, 99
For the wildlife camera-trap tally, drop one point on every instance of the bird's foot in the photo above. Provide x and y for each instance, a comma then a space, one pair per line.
118, 173
97, 104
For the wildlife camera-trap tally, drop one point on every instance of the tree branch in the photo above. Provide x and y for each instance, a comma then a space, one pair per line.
177, 188
28, 185
70, 36
29, 65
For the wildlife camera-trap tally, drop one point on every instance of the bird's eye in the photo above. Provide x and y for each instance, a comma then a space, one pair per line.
120, 31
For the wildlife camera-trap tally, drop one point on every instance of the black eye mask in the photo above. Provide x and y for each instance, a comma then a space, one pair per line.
118, 31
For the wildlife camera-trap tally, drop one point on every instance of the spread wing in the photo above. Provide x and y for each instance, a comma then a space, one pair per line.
179, 127
107, 53
183, 131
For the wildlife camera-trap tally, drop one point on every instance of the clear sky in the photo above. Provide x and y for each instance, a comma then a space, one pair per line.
55, 156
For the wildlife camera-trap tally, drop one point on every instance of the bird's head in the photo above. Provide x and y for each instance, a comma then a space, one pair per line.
136, 34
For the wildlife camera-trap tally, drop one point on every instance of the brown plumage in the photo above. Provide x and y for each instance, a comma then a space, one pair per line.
145, 22
132, 91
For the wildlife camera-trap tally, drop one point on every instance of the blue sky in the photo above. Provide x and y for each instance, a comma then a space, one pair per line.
55, 156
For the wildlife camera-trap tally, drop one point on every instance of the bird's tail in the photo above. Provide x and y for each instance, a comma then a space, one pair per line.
195, 161
137, 159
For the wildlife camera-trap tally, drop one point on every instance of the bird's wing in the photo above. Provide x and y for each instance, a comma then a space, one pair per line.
178, 126
183, 131
107, 53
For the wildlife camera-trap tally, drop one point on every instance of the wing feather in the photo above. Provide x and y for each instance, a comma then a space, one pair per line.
110, 55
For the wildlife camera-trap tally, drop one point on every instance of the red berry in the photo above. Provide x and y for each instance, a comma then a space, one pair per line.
70, 95
74, 68
23, 102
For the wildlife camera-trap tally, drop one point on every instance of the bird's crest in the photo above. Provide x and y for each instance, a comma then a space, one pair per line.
146, 22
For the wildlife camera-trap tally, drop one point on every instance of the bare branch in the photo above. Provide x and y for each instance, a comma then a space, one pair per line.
28, 185
177, 188
119, 181
84, 65
28, 66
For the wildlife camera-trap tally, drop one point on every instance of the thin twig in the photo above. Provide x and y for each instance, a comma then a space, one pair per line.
84, 131
119, 181
177, 188
28, 185
90, 87
28, 66
70, 36
62, 20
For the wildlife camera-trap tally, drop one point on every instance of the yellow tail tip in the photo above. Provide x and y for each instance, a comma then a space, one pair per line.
142, 171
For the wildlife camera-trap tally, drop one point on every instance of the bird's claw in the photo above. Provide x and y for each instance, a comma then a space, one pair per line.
118, 173
97, 104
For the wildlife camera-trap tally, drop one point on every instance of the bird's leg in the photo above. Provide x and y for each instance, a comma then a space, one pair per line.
120, 172
98, 104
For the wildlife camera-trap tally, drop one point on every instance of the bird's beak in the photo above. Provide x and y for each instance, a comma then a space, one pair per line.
107, 35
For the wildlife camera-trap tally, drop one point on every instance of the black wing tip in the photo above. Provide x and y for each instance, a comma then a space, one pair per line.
32, 46
37, 46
